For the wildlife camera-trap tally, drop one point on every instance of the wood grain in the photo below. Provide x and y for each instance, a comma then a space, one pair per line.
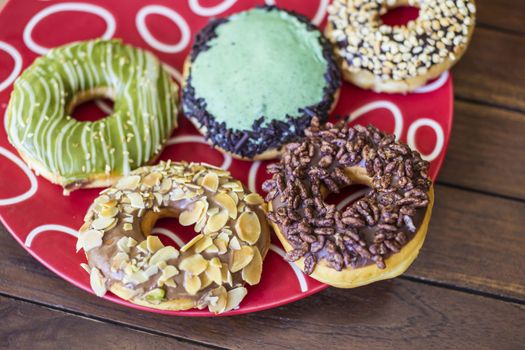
29, 326
486, 150
492, 70
502, 14
393, 314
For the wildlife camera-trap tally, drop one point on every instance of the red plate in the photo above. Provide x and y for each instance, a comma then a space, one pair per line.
44, 222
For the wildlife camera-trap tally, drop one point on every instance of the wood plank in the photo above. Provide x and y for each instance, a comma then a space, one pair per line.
492, 70
29, 326
485, 150
503, 14
393, 314
475, 241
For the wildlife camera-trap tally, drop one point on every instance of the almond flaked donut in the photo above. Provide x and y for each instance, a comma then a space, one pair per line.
376, 237
398, 58
209, 271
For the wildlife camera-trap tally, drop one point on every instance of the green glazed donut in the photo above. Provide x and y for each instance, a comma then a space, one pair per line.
77, 154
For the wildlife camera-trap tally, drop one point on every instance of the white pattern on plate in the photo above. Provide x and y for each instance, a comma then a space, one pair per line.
319, 15
252, 176
32, 179
50, 227
140, 22
199, 139
67, 6
396, 114
200, 10
436, 84
170, 234
15, 55
440, 137
296, 270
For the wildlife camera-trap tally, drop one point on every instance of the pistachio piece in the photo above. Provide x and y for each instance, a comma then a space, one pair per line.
227, 203
98, 282
164, 254
254, 199
210, 182
248, 227
192, 283
190, 217
235, 296
192, 242
241, 258
155, 296
194, 264
153, 243
251, 273
216, 222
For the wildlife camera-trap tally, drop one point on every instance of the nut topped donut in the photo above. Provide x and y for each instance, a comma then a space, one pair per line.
254, 80
82, 154
398, 58
209, 271
376, 237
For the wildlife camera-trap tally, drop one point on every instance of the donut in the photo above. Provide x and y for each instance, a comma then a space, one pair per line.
397, 58
211, 270
376, 237
253, 81
77, 154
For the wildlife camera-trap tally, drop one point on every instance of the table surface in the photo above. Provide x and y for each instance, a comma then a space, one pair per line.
466, 289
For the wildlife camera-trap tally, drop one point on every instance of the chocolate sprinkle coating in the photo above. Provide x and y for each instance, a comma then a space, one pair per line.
370, 229
272, 135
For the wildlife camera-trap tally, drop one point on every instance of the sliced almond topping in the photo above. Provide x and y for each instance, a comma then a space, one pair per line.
136, 277
164, 254
91, 239
241, 258
234, 196
152, 179
86, 267
177, 194
84, 227
190, 217
128, 182
192, 242
98, 282
235, 244
199, 226
169, 272
226, 274
254, 199
101, 199
143, 247
210, 182
235, 296
213, 211
131, 242
153, 243
212, 249
216, 262
214, 273
218, 305
119, 261
192, 283
205, 280
127, 226
227, 203
151, 271
248, 227
125, 292
252, 272
122, 244
216, 222
221, 245
109, 212
165, 185
110, 204
136, 200
171, 283
102, 223
195, 264
202, 244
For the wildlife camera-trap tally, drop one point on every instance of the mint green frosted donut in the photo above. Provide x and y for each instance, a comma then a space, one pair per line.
91, 154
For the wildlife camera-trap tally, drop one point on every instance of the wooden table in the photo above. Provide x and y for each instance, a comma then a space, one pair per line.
466, 290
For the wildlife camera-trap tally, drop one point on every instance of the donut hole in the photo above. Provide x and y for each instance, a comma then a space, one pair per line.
399, 15
347, 196
87, 107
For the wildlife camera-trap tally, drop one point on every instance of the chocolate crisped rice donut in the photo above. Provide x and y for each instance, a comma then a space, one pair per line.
374, 238
253, 81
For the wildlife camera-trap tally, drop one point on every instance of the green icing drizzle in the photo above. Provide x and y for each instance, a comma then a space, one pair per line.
144, 111
262, 63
